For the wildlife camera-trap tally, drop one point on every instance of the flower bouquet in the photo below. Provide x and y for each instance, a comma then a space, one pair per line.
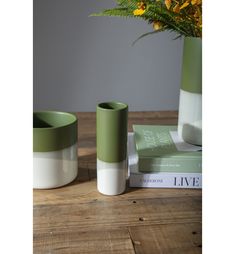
181, 16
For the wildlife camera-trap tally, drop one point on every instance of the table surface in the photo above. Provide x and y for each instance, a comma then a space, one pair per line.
78, 219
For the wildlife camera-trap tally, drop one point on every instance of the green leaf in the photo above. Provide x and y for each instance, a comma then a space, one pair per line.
118, 12
146, 34
128, 4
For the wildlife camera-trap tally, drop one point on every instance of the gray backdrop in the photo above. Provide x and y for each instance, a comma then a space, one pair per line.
80, 61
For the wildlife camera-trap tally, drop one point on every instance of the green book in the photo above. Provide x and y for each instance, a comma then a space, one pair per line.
158, 151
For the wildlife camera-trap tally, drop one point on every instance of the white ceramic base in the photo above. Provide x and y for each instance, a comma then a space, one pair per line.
190, 117
54, 169
111, 177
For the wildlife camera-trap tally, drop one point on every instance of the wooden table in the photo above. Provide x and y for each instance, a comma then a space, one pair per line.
77, 219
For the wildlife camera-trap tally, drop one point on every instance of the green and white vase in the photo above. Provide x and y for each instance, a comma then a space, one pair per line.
111, 134
190, 101
54, 149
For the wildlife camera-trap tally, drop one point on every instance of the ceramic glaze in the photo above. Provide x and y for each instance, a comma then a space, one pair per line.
54, 168
190, 117
111, 177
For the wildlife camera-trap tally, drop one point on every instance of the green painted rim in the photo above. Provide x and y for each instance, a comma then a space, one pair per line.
111, 131
191, 80
112, 106
53, 130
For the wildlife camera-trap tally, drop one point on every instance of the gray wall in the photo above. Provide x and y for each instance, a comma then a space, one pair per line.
80, 60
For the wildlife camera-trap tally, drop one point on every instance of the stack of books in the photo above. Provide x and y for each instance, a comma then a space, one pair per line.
158, 158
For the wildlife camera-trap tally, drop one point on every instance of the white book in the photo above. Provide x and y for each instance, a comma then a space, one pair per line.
158, 179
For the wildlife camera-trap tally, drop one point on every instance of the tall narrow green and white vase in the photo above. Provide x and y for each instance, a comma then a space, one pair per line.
190, 101
111, 134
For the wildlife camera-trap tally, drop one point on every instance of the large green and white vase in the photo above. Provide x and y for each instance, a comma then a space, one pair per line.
190, 101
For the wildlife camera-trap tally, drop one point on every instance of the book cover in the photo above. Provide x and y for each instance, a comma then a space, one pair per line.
160, 150
158, 179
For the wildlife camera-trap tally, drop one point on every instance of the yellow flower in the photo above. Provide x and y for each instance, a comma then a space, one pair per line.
197, 2
141, 9
184, 5
176, 9
157, 25
138, 12
168, 4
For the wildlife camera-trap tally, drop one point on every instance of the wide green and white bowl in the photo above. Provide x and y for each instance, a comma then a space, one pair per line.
54, 149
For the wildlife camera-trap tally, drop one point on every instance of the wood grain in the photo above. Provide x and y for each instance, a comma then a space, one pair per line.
75, 241
78, 219
167, 238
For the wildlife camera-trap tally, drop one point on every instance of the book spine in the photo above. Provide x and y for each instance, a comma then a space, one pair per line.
181, 165
166, 180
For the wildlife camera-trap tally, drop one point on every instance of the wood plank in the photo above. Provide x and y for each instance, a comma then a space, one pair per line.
91, 211
67, 241
167, 239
